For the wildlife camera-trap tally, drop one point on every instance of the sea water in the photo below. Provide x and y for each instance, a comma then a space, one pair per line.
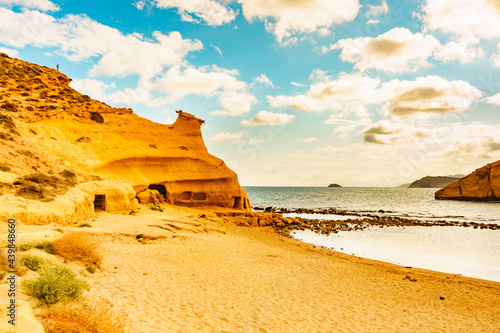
455, 250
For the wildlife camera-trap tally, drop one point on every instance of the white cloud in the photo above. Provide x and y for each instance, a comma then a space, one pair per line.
266, 118
235, 137
372, 21
495, 99
496, 58
477, 140
43, 5
378, 10
479, 18
263, 79
218, 50
351, 93
205, 81
80, 38
427, 96
387, 132
92, 87
297, 84
299, 16
208, 11
464, 50
346, 93
398, 50
234, 103
309, 140
9, 52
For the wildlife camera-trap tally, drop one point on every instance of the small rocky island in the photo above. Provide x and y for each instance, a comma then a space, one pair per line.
334, 185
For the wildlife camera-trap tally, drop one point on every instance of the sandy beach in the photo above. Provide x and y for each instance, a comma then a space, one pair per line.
195, 273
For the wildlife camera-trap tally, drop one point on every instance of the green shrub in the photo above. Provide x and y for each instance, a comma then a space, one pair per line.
43, 245
55, 284
85, 225
156, 208
32, 262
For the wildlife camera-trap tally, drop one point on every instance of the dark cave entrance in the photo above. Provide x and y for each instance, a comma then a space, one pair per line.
100, 202
160, 188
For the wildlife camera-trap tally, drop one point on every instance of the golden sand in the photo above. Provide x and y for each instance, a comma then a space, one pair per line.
202, 274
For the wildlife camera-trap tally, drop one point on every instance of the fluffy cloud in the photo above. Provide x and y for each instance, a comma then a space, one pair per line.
479, 18
79, 38
210, 12
347, 92
43, 5
266, 118
398, 50
234, 137
386, 132
478, 140
495, 99
427, 95
381, 9
496, 58
234, 103
300, 16
205, 81
352, 93
9, 52
464, 50
263, 79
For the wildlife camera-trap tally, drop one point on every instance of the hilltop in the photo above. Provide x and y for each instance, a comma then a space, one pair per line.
433, 182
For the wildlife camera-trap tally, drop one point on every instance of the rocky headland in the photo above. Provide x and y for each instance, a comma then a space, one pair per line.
433, 182
481, 185
334, 185
65, 155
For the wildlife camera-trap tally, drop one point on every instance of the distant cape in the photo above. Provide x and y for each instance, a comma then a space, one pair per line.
334, 185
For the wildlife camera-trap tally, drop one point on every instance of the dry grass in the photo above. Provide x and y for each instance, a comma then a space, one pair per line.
94, 317
79, 246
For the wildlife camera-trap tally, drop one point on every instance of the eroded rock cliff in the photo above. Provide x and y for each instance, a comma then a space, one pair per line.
48, 127
481, 185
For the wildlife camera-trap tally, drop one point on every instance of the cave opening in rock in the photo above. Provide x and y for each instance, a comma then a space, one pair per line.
160, 188
100, 202
199, 196
237, 201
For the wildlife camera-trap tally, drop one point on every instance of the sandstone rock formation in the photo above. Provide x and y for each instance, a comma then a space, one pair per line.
24, 318
433, 182
48, 127
481, 185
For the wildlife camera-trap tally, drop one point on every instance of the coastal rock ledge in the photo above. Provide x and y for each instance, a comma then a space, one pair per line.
481, 185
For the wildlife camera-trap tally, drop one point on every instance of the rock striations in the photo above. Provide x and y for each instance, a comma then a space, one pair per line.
481, 185
49, 128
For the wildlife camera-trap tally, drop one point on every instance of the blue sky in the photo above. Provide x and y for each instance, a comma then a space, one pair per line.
294, 93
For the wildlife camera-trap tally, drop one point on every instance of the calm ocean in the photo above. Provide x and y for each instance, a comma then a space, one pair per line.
455, 250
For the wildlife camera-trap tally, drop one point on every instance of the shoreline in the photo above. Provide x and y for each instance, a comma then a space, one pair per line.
196, 271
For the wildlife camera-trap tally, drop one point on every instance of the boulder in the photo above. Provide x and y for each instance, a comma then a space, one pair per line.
25, 319
481, 185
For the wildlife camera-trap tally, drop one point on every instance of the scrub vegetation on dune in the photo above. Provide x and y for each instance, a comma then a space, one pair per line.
79, 246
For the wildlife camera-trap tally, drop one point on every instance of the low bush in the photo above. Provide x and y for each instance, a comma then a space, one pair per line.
84, 225
7, 106
55, 284
156, 208
79, 246
4, 167
32, 262
43, 245
95, 316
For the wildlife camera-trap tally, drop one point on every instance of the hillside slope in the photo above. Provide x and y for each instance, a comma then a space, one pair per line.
48, 127
433, 182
